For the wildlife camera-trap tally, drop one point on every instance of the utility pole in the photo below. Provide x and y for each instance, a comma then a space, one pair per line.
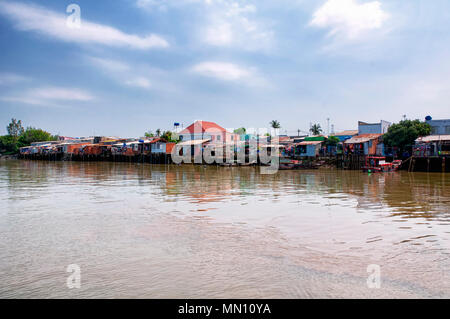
328, 126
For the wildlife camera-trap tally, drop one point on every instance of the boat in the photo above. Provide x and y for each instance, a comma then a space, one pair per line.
378, 164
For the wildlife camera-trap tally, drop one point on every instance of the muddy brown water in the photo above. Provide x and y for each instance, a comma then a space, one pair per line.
154, 231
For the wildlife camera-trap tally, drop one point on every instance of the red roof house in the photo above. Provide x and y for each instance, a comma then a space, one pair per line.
203, 130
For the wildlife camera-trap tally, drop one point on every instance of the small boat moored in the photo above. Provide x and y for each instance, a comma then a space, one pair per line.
378, 164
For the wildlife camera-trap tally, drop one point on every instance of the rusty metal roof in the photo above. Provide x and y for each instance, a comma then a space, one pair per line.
363, 138
310, 143
433, 138
193, 142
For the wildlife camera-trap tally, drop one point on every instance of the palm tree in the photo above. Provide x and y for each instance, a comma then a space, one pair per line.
158, 132
316, 129
275, 124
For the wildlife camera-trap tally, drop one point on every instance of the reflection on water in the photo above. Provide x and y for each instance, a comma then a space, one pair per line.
149, 231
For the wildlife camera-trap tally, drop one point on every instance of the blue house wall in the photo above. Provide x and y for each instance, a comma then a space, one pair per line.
373, 128
310, 151
440, 127
159, 148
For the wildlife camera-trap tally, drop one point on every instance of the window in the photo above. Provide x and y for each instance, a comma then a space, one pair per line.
447, 129
218, 137
232, 137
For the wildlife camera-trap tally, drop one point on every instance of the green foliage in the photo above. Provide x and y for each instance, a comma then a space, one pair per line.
158, 132
33, 135
332, 141
403, 134
149, 134
316, 129
15, 128
240, 131
170, 137
18, 137
275, 124
8, 144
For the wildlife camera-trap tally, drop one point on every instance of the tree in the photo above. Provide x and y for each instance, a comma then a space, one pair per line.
15, 129
158, 132
8, 144
240, 131
404, 134
275, 124
149, 134
332, 141
170, 137
33, 135
316, 129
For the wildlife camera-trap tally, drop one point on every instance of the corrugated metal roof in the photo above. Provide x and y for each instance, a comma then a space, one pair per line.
315, 138
347, 133
202, 127
363, 138
310, 143
193, 142
433, 138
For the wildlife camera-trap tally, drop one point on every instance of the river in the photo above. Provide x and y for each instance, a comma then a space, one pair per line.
155, 231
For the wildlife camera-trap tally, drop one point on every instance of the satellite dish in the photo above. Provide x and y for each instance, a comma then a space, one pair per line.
428, 118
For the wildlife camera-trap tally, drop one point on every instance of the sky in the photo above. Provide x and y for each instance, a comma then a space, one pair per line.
129, 66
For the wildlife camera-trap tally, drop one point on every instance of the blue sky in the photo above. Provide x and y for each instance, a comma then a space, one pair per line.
136, 65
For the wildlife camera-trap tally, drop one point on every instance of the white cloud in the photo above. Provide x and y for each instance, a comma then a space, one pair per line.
58, 93
221, 70
230, 23
230, 72
11, 78
109, 65
140, 82
123, 73
38, 19
349, 18
222, 23
219, 34
50, 95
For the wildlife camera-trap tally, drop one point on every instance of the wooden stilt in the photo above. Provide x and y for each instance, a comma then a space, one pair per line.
410, 164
